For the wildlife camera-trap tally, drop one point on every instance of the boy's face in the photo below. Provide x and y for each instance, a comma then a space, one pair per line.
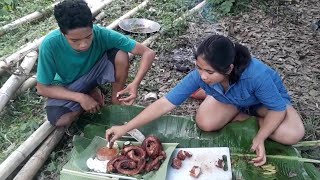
80, 39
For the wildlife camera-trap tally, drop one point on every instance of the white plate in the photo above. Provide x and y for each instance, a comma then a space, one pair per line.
206, 159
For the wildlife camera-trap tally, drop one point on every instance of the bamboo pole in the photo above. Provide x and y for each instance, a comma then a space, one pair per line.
29, 83
13, 83
25, 149
31, 168
96, 10
133, 11
28, 18
17, 56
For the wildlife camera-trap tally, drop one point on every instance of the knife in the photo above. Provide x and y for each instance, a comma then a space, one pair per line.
137, 135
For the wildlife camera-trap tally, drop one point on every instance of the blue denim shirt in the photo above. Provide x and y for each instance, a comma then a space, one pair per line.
258, 84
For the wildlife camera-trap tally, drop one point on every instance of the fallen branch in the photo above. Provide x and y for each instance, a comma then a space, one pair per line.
12, 84
28, 18
31, 168
25, 149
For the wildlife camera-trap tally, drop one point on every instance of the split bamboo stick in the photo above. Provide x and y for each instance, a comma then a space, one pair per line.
25, 149
31, 168
28, 18
17, 56
133, 11
12, 84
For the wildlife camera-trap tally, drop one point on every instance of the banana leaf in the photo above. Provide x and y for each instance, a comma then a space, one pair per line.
85, 148
286, 160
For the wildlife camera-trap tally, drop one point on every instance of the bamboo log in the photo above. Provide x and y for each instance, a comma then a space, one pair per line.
100, 16
96, 10
29, 83
17, 56
133, 11
31, 168
13, 83
28, 18
191, 11
25, 149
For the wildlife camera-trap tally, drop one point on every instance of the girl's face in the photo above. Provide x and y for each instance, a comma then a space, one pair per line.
80, 39
207, 73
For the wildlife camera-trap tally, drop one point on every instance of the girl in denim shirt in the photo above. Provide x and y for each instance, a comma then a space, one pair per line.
236, 86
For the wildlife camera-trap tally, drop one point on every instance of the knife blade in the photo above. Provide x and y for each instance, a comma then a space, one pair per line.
137, 135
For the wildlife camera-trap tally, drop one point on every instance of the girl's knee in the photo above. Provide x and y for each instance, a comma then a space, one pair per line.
206, 125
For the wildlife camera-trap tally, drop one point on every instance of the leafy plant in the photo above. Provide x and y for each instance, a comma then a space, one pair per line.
228, 6
6, 6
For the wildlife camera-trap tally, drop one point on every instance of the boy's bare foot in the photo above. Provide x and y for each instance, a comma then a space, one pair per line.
97, 95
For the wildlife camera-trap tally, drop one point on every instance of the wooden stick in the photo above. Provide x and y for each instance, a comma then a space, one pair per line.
28, 18
133, 11
12, 84
31, 168
17, 56
25, 149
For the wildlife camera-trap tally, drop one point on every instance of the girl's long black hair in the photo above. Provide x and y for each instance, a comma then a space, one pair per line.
220, 52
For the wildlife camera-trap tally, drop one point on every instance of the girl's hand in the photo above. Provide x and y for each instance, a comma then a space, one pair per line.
115, 132
258, 147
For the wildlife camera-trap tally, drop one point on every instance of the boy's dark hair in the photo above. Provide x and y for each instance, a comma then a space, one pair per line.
219, 52
72, 14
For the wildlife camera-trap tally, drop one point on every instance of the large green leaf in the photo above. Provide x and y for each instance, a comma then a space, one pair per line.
237, 136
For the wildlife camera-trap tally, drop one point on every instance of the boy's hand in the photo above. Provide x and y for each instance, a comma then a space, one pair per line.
132, 91
89, 104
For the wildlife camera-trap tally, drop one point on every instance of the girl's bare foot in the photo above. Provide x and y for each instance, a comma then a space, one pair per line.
241, 117
199, 94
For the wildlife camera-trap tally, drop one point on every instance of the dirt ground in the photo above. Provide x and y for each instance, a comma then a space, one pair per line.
281, 37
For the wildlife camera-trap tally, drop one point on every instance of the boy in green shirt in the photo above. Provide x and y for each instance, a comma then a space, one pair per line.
78, 57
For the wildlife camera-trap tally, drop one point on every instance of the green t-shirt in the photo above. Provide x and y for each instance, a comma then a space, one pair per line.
59, 63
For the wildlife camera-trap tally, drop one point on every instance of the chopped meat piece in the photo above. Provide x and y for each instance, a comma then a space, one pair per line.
176, 163
183, 154
220, 163
188, 154
195, 171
